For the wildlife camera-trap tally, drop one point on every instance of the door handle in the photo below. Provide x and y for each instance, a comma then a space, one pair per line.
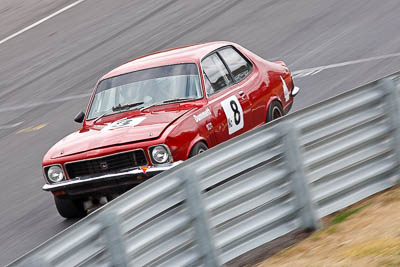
242, 95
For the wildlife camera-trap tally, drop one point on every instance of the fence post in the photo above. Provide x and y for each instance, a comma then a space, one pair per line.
392, 109
113, 238
300, 185
198, 213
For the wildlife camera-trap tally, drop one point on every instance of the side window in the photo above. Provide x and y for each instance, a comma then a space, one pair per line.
209, 89
216, 72
239, 66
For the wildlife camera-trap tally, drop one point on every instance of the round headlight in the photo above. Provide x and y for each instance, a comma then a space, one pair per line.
160, 154
55, 174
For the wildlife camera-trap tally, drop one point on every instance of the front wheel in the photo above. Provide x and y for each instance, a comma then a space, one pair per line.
275, 111
198, 148
69, 209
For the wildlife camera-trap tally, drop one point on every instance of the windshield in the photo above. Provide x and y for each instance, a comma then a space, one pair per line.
146, 87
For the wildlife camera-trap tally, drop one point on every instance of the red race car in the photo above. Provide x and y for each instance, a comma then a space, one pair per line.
158, 110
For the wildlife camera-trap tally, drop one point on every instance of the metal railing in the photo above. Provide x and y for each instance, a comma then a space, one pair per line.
246, 192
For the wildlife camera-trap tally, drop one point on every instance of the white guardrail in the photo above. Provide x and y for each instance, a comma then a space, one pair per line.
246, 192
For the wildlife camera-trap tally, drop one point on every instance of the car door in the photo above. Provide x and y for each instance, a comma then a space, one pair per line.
229, 104
248, 81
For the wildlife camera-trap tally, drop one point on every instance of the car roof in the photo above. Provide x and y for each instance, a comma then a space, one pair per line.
184, 54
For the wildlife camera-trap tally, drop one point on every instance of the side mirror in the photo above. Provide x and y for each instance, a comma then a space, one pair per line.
79, 117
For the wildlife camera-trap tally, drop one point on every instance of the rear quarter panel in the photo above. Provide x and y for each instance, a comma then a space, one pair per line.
272, 89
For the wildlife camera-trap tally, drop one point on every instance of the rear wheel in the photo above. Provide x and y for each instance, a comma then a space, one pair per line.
275, 111
198, 148
70, 208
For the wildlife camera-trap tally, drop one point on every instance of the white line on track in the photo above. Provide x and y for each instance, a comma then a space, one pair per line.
3, 127
41, 21
33, 105
312, 71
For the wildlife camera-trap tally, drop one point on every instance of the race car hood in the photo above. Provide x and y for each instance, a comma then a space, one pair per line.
140, 127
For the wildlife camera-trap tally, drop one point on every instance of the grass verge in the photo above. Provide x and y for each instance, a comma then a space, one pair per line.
365, 234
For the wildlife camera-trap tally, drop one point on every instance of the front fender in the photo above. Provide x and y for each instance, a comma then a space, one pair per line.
194, 142
186, 132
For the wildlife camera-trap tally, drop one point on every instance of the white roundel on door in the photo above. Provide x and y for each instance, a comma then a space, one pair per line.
234, 114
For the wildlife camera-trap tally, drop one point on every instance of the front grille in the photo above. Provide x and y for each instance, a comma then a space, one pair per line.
106, 165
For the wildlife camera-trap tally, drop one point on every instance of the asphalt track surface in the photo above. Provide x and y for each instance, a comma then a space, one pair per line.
47, 71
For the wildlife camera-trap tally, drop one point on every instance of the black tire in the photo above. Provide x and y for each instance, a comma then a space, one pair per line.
275, 111
198, 148
70, 208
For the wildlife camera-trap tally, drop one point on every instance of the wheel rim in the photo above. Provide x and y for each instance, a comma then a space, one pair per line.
201, 150
276, 113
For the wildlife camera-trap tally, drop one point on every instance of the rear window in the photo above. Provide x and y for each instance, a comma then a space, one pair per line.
237, 64
216, 72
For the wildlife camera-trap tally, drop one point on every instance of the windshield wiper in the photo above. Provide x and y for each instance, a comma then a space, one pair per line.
131, 105
117, 108
102, 115
178, 100
152, 105
167, 101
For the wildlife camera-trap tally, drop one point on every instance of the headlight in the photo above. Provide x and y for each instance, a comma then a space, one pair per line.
55, 174
159, 154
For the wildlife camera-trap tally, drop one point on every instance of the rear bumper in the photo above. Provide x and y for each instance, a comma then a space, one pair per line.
293, 93
112, 181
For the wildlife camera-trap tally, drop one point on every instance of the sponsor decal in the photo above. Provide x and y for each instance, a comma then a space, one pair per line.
123, 123
144, 169
209, 126
201, 116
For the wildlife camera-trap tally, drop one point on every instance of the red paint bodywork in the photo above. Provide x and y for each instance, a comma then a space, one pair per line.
174, 124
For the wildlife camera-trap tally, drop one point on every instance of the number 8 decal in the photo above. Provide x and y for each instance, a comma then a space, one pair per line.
235, 110
234, 114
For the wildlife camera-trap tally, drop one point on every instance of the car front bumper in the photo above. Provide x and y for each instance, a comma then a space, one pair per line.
103, 183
